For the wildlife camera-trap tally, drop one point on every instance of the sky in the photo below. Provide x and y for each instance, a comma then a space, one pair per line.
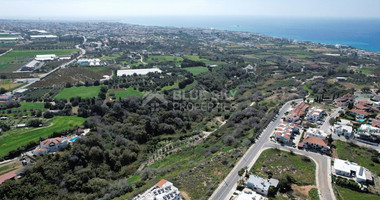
109, 9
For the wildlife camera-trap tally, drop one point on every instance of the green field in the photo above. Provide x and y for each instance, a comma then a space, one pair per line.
169, 87
196, 70
281, 164
347, 194
83, 91
359, 155
16, 58
206, 61
15, 138
313, 194
128, 92
158, 59
30, 105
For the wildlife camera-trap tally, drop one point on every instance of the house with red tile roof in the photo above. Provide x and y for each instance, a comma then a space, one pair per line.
345, 100
315, 114
359, 114
316, 143
297, 113
50, 145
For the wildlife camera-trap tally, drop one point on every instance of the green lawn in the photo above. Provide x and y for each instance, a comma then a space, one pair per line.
128, 92
15, 138
30, 105
347, 194
83, 91
359, 155
196, 70
281, 163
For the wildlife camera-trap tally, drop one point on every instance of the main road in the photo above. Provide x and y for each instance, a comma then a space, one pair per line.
228, 186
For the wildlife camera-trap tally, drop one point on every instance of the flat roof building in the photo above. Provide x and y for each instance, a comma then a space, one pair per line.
130, 72
47, 57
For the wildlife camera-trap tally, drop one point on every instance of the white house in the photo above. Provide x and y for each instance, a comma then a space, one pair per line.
314, 132
163, 190
315, 114
50, 145
344, 127
352, 170
261, 185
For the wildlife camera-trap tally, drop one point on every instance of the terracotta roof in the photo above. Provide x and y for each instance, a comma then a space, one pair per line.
278, 133
287, 135
376, 123
361, 106
161, 183
361, 112
316, 140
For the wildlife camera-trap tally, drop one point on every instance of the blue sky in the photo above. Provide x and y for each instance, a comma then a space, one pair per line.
119, 8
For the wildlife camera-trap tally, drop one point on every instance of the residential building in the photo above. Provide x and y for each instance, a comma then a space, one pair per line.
298, 112
163, 190
359, 114
315, 114
368, 133
345, 100
314, 132
344, 127
285, 132
316, 143
50, 145
248, 194
261, 185
352, 170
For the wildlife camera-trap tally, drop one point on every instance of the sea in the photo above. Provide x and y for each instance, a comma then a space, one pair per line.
359, 33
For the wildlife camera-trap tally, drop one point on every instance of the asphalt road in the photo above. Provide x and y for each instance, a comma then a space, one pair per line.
228, 186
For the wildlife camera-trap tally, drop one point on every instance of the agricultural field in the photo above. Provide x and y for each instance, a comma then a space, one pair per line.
281, 164
40, 94
169, 87
30, 105
124, 92
206, 61
9, 85
83, 92
15, 138
196, 70
359, 155
16, 58
73, 75
160, 59
342, 193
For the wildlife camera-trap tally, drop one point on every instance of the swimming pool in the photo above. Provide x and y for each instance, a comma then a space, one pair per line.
73, 139
360, 120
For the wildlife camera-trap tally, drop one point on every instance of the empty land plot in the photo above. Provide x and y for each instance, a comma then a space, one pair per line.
360, 155
128, 92
16, 58
160, 59
348, 194
73, 75
30, 105
281, 164
15, 138
83, 92
206, 61
9, 85
196, 70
